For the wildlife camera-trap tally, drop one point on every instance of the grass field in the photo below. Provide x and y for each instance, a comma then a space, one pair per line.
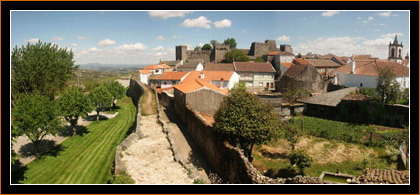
87, 158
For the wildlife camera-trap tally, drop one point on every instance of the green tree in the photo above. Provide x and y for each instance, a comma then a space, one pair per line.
100, 99
300, 159
74, 104
292, 134
243, 119
369, 92
299, 55
231, 42
387, 87
259, 59
214, 43
293, 95
236, 55
14, 134
206, 47
405, 97
36, 116
42, 67
116, 90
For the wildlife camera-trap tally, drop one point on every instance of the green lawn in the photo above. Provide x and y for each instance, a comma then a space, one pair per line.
85, 159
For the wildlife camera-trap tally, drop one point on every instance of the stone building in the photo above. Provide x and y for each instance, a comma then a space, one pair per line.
302, 76
217, 54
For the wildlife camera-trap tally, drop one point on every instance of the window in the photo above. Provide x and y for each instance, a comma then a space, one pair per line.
392, 52
156, 71
268, 85
361, 84
164, 83
260, 84
173, 82
272, 85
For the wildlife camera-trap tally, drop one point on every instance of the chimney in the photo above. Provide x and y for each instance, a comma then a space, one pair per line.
353, 64
202, 75
221, 83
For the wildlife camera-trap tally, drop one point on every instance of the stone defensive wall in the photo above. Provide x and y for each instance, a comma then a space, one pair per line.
135, 91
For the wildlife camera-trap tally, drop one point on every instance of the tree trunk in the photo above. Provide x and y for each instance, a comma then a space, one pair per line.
97, 115
73, 123
36, 149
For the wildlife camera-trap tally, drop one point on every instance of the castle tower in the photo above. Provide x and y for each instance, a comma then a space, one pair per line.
395, 51
181, 52
287, 48
271, 45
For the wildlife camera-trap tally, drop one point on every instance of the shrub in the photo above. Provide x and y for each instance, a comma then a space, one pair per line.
198, 181
301, 159
123, 178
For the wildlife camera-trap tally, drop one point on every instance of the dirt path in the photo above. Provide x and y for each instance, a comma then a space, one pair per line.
148, 104
150, 160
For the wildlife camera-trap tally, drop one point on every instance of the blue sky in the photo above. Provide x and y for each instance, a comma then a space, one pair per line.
143, 37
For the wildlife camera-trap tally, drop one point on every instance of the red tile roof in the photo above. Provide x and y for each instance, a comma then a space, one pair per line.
219, 67
253, 67
209, 75
192, 85
144, 71
370, 67
323, 63
287, 64
295, 69
273, 53
157, 66
301, 61
173, 75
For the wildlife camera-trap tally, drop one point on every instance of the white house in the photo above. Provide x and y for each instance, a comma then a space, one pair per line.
192, 65
144, 76
221, 79
363, 73
168, 79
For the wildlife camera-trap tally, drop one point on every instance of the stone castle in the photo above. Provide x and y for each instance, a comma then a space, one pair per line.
217, 54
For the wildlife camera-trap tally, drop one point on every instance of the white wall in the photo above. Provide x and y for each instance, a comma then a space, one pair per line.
233, 80
144, 78
401, 80
168, 84
159, 71
351, 80
199, 67
287, 59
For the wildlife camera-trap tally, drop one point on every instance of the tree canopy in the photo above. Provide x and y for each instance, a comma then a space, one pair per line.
42, 67
231, 42
36, 116
74, 104
243, 119
214, 43
259, 59
301, 159
387, 87
236, 55
206, 47
115, 89
100, 99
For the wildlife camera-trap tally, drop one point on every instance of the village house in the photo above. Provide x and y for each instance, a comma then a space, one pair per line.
363, 73
339, 60
168, 79
256, 76
154, 80
302, 76
144, 76
199, 95
147, 71
191, 65
173, 64
219, 67
324, 66
221, 79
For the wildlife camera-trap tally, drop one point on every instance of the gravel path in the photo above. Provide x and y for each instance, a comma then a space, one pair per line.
150, 160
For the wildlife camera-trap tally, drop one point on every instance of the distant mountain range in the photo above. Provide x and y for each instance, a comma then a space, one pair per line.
122, 68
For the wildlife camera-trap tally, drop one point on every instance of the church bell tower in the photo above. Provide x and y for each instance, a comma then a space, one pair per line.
395, 51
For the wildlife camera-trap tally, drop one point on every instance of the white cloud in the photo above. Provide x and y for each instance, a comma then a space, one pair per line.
168, 14
158, 48
106, 42
74, 45
346, 46
370, 18
131, 47
160, 38
223, 23
81, 37
329, 13
176, 37
283, 38
200, 22
387, 14
33, 40
57, 38
94, 49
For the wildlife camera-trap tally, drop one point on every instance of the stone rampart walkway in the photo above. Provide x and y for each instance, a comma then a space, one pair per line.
150, 159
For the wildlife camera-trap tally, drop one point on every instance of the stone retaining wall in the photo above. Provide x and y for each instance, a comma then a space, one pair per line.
178, 157
135, 92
